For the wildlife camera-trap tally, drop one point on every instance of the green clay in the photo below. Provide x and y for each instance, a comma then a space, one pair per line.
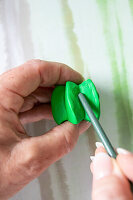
66, 104
74, 108
89, 90
58, 105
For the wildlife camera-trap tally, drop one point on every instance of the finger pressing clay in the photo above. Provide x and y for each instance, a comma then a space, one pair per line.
66, 105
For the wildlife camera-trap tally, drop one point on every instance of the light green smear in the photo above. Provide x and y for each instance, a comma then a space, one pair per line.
131, 6
74, 50
124, 80
123, 111
72, 38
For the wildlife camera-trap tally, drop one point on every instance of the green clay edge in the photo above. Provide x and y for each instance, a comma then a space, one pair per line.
89, 90
75, 111
58, 104
66, 105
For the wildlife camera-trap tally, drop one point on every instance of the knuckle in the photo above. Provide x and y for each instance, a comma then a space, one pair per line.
70, 140
66, 143
34, 62
30, 155
31, 161
69, 143
34, 168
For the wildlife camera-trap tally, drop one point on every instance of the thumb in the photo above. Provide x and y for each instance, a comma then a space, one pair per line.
125, 161
33, 155
108, 181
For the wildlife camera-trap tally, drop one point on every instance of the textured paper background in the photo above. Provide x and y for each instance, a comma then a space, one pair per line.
94, 37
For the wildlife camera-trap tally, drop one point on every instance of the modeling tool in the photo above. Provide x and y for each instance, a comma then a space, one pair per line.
104, 139
99, 130
66, 105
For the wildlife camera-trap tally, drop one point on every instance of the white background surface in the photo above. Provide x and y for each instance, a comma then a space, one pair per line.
93, 37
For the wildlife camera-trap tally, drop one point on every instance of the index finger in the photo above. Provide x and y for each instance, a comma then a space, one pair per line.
26, 78
23, 80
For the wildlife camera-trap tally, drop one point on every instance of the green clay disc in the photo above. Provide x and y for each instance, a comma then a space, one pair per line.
66, 104
58, 104
89, 89
75, 111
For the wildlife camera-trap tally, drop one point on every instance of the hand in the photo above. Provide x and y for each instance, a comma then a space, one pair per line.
24, 92
110, 177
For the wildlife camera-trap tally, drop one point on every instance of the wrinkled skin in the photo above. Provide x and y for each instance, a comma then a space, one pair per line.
25, 94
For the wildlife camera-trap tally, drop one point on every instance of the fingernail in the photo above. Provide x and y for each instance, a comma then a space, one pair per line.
92, 158
87, 122
83, 126
99, 144
122, 151
83, 79
102, 165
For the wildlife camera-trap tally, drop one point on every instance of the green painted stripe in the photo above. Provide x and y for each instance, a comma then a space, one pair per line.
124, 81
75, 51
131, 6
121, 109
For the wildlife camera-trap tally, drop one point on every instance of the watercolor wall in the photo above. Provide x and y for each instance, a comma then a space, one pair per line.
95, 37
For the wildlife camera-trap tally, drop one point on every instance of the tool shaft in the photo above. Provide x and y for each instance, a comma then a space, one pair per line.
104, 139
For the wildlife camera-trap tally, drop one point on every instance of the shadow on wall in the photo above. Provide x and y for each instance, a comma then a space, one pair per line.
37, 129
